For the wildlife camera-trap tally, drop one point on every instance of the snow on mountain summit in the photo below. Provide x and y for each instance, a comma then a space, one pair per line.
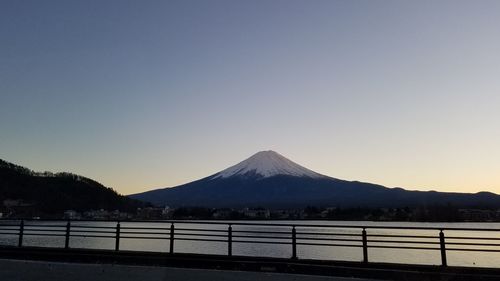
267, 164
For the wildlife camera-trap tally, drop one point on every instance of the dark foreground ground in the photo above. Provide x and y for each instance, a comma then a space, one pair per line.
40, 264
21, 270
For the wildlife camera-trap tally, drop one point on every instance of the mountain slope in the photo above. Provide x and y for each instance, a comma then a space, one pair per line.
268, 179
267, 164
54, 193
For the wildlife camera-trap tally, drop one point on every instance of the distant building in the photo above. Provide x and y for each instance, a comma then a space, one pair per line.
72, 215
19, 207
477, 215
149, 213
117, 215
222, 214
97, 214
257, 213
280, 214
166, 213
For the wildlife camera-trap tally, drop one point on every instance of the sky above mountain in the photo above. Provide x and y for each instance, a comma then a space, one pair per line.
146, 94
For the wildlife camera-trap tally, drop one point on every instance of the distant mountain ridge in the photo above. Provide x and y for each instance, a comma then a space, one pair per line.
53, 193
268, 179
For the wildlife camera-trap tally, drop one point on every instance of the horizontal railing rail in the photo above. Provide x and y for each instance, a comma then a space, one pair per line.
353, 236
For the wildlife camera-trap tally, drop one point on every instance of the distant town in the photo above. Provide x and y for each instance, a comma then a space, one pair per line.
18, 209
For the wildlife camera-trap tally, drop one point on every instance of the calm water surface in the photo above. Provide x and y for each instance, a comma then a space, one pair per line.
431, 257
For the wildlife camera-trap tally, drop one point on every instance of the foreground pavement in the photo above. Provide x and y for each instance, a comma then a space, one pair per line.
25, 270
36, 263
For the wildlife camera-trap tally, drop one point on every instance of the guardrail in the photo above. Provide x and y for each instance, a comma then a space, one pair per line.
363, 237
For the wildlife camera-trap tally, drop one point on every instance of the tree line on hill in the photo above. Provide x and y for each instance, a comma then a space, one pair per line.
28, 193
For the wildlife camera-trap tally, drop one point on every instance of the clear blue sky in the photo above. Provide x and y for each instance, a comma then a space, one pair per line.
147, 94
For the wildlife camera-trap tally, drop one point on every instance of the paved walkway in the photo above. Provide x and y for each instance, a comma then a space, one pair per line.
21, 270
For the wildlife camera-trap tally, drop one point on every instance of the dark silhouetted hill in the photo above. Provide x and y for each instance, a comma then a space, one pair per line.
53, 193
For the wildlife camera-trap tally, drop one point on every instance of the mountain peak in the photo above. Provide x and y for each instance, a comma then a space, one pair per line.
267, 164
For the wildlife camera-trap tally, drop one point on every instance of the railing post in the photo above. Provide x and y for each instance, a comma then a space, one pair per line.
117, 237
230, 240
21, 234
443, 248
66, 242
365, 245
172, 232
294, 243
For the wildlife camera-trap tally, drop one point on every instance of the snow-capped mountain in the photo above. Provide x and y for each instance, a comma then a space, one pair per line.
267, 164
268, 179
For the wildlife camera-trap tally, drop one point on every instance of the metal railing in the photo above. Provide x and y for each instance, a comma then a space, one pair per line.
293, 235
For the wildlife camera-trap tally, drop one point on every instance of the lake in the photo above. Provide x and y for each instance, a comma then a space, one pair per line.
271, 246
